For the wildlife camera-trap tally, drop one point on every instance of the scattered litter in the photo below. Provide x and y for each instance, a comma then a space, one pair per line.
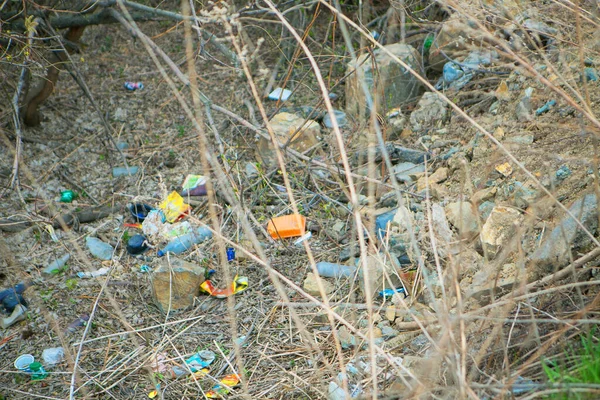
230, 253
590, 74
546, 107
18, 314
388, 293
332, 270
133, 85
122, 171
280, 94
79, 322
153, 223
200, 360
51, 232
12, 297
137, 244
239, 284
563, 173
37, 371
185, 242
139, 211
504, 169
53, 355
99, 249
23, 362
302, 238
94, 274
194, 185
67, 196
145, 268
174, 207
226, 384
286, 226
158, 363
55, 266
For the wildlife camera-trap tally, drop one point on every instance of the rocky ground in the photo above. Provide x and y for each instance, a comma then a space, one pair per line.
465, 223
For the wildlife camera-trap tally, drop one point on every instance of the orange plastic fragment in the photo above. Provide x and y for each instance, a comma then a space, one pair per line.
286, 226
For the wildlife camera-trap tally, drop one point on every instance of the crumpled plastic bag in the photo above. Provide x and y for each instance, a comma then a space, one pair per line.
239, 284
174, 207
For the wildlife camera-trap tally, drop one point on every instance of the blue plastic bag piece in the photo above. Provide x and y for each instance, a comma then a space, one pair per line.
563, 173
201, 359
590, 74
382, 221
452, 72
545, 108
387, 293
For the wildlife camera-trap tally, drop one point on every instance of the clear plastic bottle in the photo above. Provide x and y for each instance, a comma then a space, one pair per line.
185, 242
56, 265
332, 270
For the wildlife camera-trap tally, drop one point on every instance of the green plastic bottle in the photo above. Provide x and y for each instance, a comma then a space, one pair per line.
37, 371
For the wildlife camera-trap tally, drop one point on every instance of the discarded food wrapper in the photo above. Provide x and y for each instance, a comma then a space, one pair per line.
174, 207
194, 185
133, 85
200, 360
153, 223
280, 94
228, 382
302, 238
170, 231
286, 226
154, 393
158, 363
239, 284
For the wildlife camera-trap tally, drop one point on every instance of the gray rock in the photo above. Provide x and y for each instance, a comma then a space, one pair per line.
340, 117
485, 209
388, 332
523, 110
554, 251
404, 170
396, 154
251, 170
499, 228
398, 84
461, 215
430, 112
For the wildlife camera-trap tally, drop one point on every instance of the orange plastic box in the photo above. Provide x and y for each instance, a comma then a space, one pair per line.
286, 226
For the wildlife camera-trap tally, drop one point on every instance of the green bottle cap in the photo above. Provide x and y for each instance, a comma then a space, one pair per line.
67, 196
35, 366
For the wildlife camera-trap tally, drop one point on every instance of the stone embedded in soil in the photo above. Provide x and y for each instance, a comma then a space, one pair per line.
175, 284
285, 127
485, 209
461, 215
405, 171
487, 280
499, 229
310, 285
347, 339
554, 251
430, 112
441, 229
395, 84
440, 175
484, 194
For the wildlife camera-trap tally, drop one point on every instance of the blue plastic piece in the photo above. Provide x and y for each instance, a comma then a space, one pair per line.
139, 211
546, 107
99, 249
387, 293
563, 173
332, 270
230, 253
137, 244
185, 242
122, 171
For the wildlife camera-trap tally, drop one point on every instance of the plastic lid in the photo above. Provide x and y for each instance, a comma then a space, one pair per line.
35, 366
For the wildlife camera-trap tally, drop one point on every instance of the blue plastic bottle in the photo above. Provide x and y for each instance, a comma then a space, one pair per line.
331, 270
185, 242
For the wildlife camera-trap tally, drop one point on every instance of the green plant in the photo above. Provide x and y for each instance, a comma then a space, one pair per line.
71, 284
580, 366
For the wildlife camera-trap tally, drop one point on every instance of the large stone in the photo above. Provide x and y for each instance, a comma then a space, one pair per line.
430, 112
440, 175
175, 283
499, 228
391, 85
310, 285
299, 133
461, 215
554, 251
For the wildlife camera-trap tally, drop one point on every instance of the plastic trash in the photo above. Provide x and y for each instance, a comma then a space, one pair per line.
332, 270
302, 238
67, 196
230, 253
79, 322
239, 284
137, 244
18, 314
563, 173
286, 226
200, 360
545, 108
218, 391
174, 207
37, 371
153, 223
388, 293
280, 93
185, 242
122, 171
194, 185
98, 248
139, 211
133, 85
55, 266
11, 298
53, 356
23, 362
590, 74
94, 274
